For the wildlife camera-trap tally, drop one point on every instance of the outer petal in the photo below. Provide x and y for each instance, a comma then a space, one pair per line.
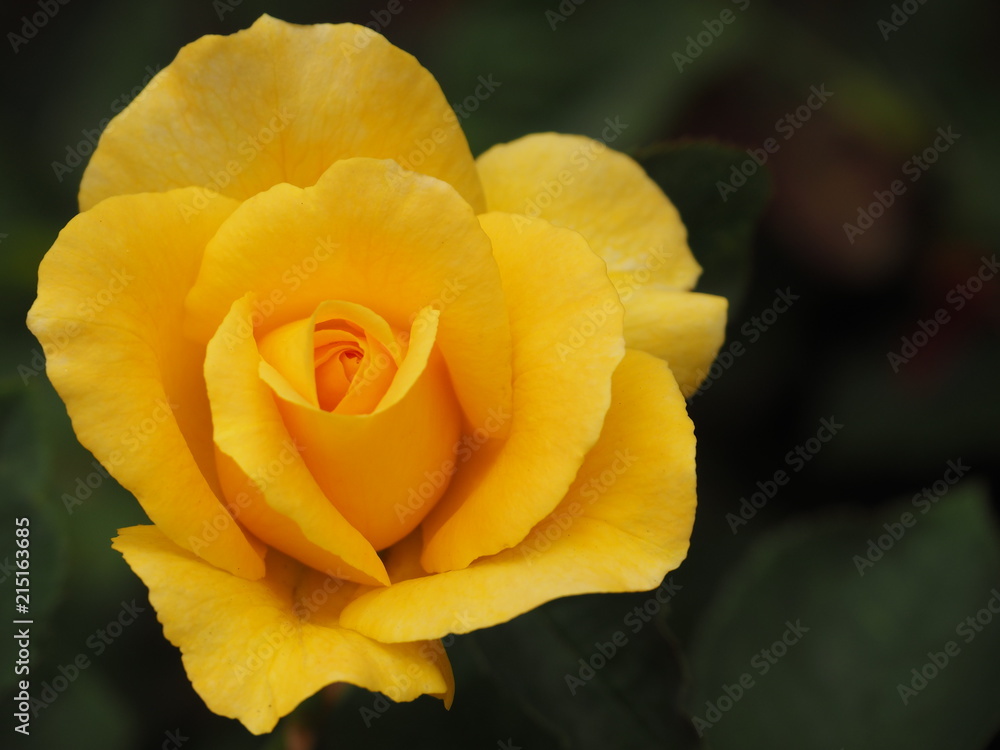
565, 321
374, 234
254, 650
279, 103
684, 328
624, 524
579, 183
109, 316
262, 469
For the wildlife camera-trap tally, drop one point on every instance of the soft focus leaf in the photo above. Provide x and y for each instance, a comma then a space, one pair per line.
595, 671
91, 703
838, 685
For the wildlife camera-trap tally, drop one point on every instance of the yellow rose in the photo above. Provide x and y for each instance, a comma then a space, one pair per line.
369, 391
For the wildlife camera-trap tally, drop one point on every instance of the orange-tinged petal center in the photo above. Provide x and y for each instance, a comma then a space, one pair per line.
339, 360
373, 409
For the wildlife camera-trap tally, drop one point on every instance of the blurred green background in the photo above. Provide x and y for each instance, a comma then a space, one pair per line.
820, 619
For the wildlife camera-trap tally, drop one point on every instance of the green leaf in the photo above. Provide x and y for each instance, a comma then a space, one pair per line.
360, 718
861, 603
719, 204
89, 703
520, 670
594, 672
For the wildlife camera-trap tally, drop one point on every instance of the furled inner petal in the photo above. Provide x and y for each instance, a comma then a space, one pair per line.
340, 359
261, 466
336, 365
381, 440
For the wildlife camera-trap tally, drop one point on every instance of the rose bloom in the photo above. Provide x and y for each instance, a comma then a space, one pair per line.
369, 391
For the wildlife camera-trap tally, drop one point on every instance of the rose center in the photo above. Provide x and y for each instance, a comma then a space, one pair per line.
348, 361
341, 360
373, 410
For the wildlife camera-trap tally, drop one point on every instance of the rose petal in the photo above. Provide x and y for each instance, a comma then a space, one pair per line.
579, 183
378, 236
254, 650
279, 103
623, 525
565, 321
109, 316
684, 328
291, 348
384, 471
265, 476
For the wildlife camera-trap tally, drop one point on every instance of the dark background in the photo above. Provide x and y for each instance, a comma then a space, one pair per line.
795, 560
